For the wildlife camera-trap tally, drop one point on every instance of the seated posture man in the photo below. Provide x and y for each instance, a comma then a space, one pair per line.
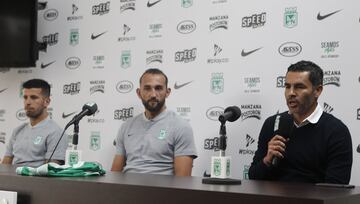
157, 141
318, 148
32, 144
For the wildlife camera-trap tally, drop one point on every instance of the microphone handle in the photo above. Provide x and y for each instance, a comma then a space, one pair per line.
275, 161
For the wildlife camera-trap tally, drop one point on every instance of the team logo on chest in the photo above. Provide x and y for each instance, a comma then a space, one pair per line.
162, 134
37, 140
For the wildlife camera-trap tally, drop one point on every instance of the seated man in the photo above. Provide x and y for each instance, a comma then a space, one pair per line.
32, 144
157, 141
318, 148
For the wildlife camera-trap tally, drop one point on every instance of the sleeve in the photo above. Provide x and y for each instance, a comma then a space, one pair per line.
10, 145
258, 170
339, 156
184, 141
52, 140
119, 141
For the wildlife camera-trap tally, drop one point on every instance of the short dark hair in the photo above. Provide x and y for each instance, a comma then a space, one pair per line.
316, 73
154, 71
38, 83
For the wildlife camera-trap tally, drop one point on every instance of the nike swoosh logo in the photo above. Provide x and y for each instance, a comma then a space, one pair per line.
320, 17
43, 66
152, 4
176, 86
93, 37
244, 54
3, 90
67, 115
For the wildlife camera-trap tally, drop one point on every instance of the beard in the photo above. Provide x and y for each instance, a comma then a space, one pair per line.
34, 113
153, 108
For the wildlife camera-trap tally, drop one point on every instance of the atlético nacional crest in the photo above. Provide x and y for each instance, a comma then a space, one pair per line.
95, 141
74, 37
290, 17
186, 3
125, 59
217, 83
217, 167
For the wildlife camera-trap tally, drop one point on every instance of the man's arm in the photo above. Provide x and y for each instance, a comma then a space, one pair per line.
118, 163
183, 165
259, 168
7, 160
340, 157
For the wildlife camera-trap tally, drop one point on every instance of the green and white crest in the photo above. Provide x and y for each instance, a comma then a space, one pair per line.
217, 83
73, 158
228, 167
37, 140
74, 37
95, 141
290, 17
125, 59
186, 3
162, 134
217, 167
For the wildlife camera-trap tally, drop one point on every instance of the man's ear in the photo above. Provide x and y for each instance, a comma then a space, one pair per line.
168, 91
318, 91
47, 101
138, 92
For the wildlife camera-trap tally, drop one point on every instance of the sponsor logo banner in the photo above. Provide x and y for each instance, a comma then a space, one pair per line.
21, 115
250, 111
290, 17
332, 78
217, 83
95, 140
124, 86
186, 55
101, 9
72, 62
51, 14
97, 86
124, 114
329, 49
252, 84
98, 62
280, 82
213, 113
218, 22
186, 27
254, 21
290, 49
127, 5
72, 88
212, 144
51, 39
74, 17
154, 56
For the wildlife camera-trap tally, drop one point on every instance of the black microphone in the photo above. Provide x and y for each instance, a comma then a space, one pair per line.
88, 109
231, 114
285, 126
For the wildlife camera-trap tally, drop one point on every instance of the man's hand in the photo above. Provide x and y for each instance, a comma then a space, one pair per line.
276, 148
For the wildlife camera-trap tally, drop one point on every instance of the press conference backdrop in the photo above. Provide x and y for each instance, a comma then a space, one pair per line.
216, 53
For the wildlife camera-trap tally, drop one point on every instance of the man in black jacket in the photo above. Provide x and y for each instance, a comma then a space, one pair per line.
318, 148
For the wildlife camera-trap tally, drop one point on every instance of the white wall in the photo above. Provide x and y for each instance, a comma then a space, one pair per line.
250, 80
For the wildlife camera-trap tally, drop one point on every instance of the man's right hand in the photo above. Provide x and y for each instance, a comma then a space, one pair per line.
276, 148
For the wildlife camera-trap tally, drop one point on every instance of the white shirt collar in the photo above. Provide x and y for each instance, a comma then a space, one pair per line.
313, 117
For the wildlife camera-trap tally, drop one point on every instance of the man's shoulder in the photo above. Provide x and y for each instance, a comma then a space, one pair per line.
331, 121
176, 120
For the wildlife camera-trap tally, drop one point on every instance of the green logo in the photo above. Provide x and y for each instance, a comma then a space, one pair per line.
162, 135
290, 17
125, 59
37, 140
246, 172
95, 141
217, 83
217, 167
73, 158
228, 167
74, 37
186, 3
